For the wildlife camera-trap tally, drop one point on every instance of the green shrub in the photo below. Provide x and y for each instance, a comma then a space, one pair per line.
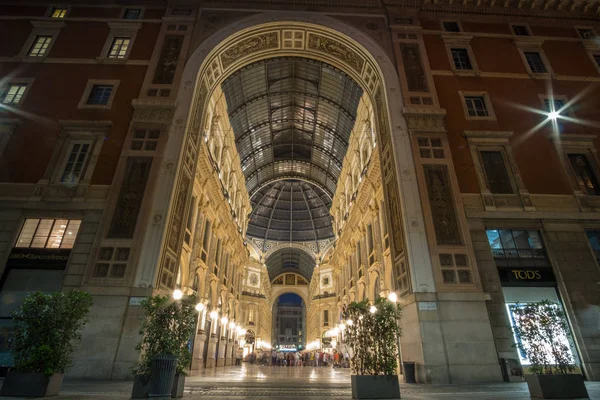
373, 337
167, 326
47, 326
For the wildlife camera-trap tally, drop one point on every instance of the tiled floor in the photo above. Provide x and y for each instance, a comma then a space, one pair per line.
253, 383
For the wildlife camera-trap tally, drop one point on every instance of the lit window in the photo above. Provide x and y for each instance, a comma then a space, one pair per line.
535, 62
100, 95
132, 13
461, 60
451, 26
40, 46
75, 162
119, 46
517, 248
48, 233
584, 174
476, 106
520, 30
59, 12
586, 33
13, 94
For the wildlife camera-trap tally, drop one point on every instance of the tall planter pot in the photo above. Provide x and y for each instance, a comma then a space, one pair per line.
556, 386
31, 384
375, 387
162, 375
143, 383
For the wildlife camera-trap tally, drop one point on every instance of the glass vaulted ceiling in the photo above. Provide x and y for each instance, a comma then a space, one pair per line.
292, 119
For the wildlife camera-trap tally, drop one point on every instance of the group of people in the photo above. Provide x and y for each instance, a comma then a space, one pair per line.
334, 359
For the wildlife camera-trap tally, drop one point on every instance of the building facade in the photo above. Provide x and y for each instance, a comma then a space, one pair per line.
338, 150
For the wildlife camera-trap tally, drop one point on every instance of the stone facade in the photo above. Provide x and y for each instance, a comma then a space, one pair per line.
162, 197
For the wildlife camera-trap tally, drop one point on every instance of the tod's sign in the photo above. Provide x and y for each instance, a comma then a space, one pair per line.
526, 276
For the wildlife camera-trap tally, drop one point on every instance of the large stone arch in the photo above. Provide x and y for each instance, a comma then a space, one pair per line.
279, 290
360, 57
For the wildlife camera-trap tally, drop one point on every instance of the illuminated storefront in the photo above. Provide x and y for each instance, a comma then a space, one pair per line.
527, 277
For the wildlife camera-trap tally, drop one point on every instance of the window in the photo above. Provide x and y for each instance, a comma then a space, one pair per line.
594, 238
552, 105
251, 317
461, 59
597, 60
455, 268
586, 33
495, 171
14, 93
99, 94
517, 248
76, 161
476, 106
132, 13
325, 317
430, 147
535, 62
584, 174
40, 46
451, 26
48, 233
118, 49
112, 262
370, 244
145, 139
59, 12
520, 30
205, 240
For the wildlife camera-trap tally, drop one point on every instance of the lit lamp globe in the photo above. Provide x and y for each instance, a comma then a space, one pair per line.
393, 297
199, 307
177, 294
349, 322
224, 320
231, 325
553, 115
214, 315
372, 310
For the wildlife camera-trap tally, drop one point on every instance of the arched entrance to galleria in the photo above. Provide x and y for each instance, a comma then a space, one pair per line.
303, 126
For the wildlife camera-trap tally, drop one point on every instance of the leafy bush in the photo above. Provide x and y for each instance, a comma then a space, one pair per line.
46, 329
373, 337
541, 330
167, 326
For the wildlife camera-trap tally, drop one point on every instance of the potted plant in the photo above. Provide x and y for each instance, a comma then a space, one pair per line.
46, 329
167, 326
543, 338
371, 333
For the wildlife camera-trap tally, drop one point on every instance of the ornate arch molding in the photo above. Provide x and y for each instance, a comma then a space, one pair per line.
360, 57
288, 289
280, 39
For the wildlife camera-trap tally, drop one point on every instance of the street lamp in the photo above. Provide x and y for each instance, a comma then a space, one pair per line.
214, 314
177, 294
393, 297
372, 310
200, 307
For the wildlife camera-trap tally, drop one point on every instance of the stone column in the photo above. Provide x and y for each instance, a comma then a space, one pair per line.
212, 350
198, 354
230, 353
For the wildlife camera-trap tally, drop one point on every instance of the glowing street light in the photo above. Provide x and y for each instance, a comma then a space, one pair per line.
231, 325
393, 297
199, 307
553, 115
214, 314
224, 320
349, 322
373, 309
177, 294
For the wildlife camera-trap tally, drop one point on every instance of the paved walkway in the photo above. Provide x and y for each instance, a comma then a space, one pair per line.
257, 383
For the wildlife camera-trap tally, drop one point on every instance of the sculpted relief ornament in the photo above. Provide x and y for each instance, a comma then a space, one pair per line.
336, 49
243, 48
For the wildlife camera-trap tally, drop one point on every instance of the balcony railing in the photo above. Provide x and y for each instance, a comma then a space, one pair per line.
520, 257
259, 295
323, 296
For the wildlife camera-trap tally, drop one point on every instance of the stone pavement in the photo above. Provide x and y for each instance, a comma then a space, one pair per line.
257, 383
